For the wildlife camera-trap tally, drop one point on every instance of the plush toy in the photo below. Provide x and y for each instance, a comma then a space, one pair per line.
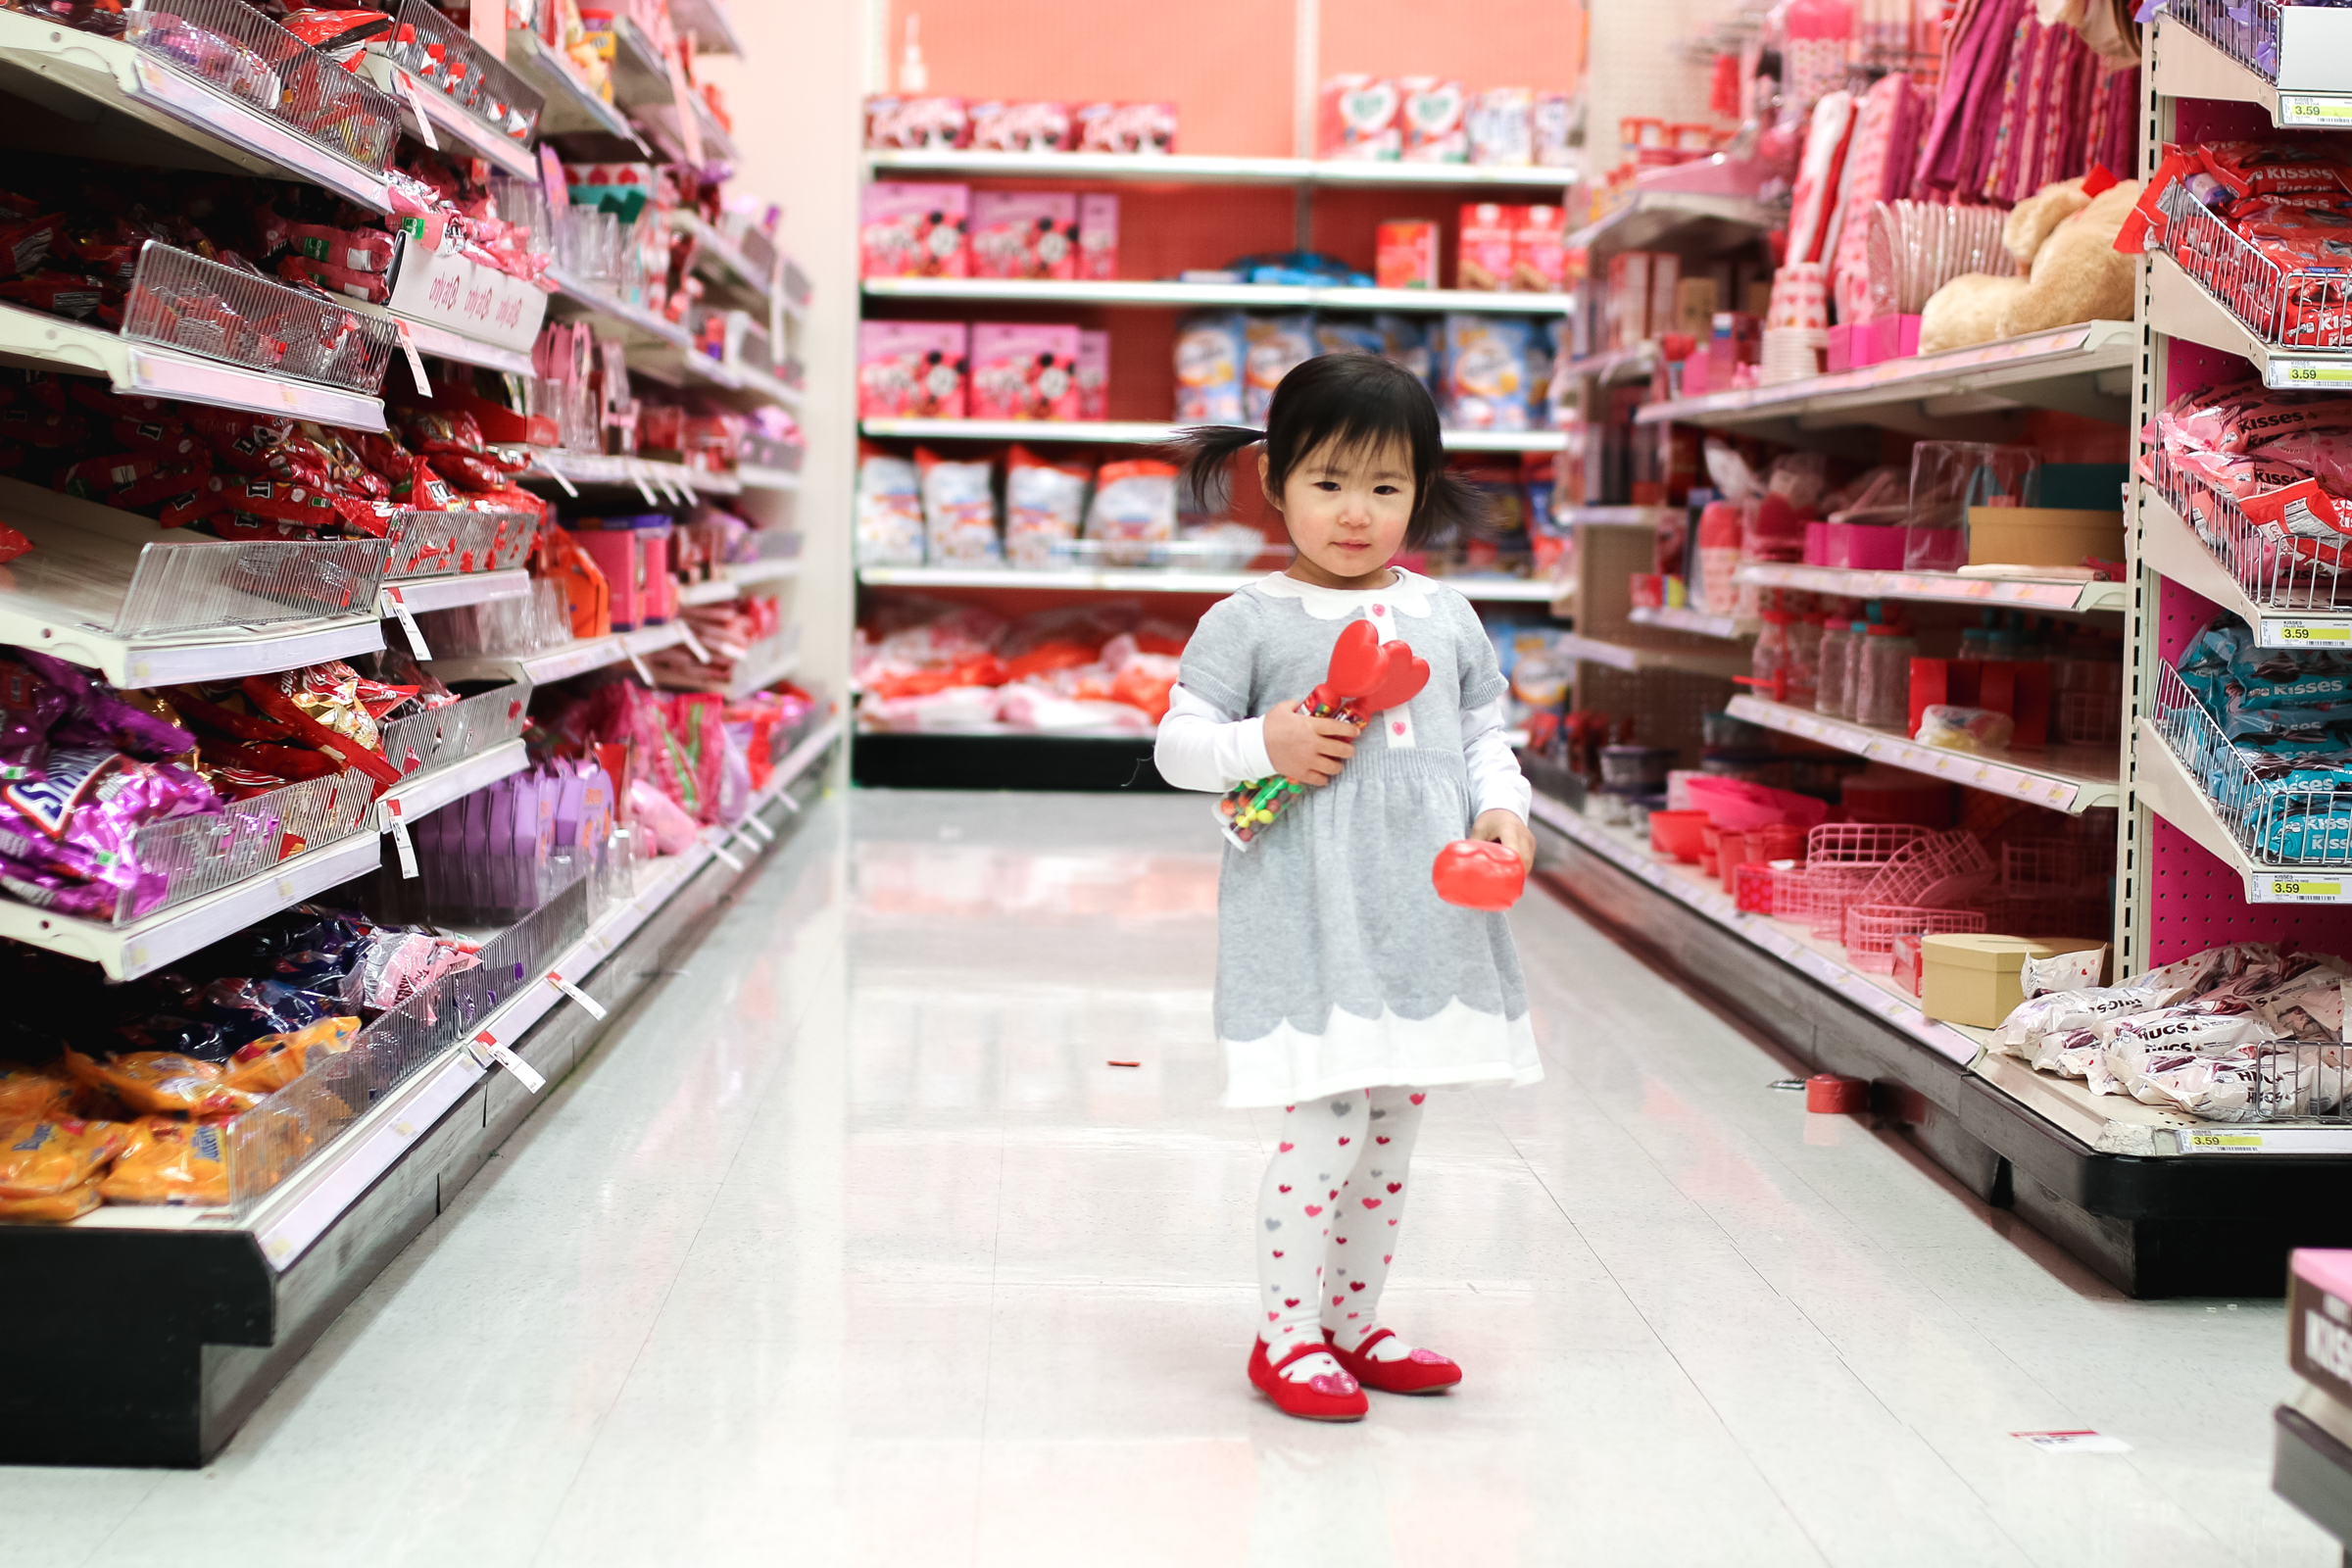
2064, 241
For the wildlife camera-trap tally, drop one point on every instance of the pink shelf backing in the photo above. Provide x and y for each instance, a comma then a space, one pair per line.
2220, 119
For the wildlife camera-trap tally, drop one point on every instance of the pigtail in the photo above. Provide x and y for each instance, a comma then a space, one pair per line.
1203, 456
1452, 508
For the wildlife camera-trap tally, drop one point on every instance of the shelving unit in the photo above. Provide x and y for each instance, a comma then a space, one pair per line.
576, 657
1145, 432
1631, 658
1146, 580
448, 593
2178, 305
1943, 587
1179, 296
2063, 781
1184, 168
1697, 622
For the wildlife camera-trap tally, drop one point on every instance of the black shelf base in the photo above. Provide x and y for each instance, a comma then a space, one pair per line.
2151, 1227
1092, 763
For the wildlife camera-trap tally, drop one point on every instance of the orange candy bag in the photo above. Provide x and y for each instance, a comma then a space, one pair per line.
154, 1083
54, 1210
27, 1094
43, 1158
170, 1160
269, 1064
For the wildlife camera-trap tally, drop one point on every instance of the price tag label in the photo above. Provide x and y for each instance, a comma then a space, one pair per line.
398, 605
2204, 1143
408, 346
719, 854
486, 1051
556, 474
637, 661
2298, 109
402, 844
2307, 372
644, 487
2307, 631
596, 1008
693, 644
425, 122
2270, 888
766, 834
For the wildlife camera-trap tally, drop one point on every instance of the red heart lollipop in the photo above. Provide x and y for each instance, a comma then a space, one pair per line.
1478, 875
1406, 675
1358, 661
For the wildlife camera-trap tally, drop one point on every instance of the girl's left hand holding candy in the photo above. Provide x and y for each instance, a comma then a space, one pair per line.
1508, 830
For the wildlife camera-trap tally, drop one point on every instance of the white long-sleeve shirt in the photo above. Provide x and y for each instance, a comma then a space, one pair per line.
1203, 748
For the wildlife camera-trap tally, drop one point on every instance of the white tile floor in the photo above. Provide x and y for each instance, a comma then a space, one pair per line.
848, 1248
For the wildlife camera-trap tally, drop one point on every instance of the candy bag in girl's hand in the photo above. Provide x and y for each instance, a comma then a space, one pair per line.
959, 511
1479, 875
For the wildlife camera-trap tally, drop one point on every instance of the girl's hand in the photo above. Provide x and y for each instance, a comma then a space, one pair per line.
1307, 749
1503, 827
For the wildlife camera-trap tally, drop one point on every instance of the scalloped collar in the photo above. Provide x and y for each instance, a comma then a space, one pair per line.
1409, 595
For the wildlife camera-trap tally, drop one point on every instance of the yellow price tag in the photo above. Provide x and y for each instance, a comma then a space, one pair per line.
2221, 1141
2316, 110
2295, 631
2305, 373
2287, 888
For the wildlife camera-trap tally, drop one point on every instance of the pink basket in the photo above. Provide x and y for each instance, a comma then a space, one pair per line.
1871, 930
1817, 896
1942, 873
1736, 805
1871, 844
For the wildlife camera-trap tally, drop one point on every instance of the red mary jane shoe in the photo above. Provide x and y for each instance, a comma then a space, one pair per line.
1332, 1396
1420, 1372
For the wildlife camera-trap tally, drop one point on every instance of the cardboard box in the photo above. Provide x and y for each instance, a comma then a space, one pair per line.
1973, 979
1405, 253
1484, 258
1025, 234
2042, 536
1629, 300
1023, 371
911, 230
910, 369
1098, 238
1695, 302
1539, 250
1094, 376
2319, 1319
1665, 278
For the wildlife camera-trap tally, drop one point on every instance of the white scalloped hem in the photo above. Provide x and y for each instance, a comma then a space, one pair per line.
1454, 1048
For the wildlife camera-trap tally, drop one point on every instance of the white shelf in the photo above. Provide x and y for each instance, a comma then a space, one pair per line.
1940, 587
1185, 168
561, 663
26, 621
439, 342
449, 121
753, 476
2067, 781
2085, 369
1198, 296
290, 1219
449, 592
1617, 516
428, 790
768, 568
717, 591
735, 580
570, 105
655, 481
2314, 89
2180, 307
126, 951
2172, 547
1486, 590
1868, 992
1655, 217
1683, 619
734, 266
1144, 432
161, 102
76, 348
1621, 656
690, 361
1615, 368
2167, 789
708, 21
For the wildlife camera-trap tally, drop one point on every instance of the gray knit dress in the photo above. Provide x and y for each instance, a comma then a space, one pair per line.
1339, 968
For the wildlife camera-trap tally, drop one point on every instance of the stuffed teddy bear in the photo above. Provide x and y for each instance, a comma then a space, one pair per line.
2064, 243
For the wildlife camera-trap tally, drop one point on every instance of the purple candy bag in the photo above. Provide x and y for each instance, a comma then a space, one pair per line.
28, 708
96, 716
73, 834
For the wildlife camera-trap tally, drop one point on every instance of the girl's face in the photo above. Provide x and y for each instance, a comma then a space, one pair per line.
1346, 512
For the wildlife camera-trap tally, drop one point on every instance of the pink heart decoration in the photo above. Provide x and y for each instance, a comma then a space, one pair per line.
1343, 1142
1312, 1209
1355, 1285
1371, 1202
1380, 1139
1396, 1187
1286, 1189
1287, 1147
1290, 1301
1336, 1300
1417, 1099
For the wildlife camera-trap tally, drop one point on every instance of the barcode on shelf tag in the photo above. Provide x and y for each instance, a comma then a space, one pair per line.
398, 605
530, 1077
2269, 887
2294, 108
425, 122
596, 1008
719, 852
2306, 631
408, 346
693, 644
401, 842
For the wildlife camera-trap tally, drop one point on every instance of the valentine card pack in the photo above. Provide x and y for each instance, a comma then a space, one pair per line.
910, 369
1025, 234
1024, 372
910, 230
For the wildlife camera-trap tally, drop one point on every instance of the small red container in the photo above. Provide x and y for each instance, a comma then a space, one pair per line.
1829, 1093
1676, 833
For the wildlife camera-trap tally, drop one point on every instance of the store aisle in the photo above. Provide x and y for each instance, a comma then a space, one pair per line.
849, 1247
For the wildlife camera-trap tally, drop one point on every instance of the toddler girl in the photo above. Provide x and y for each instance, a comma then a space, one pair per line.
1346, 988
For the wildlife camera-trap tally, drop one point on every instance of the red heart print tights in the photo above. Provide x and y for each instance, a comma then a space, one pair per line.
1327, 1222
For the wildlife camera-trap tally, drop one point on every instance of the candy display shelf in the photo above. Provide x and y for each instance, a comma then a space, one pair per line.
1697, 622
722, 261
759, 477
2083, 369
1943, 587
39, 341
2071, 781
2199, 49
450, 121
1198, 296
2180, 307
676, 480
2168, 788
576, 657
448, 593
1184, 168
126, 951
1629, 658
2172, 547
145, 111
1615, 516
428, 790
1652, 218
1155, 580
262, 1282
571, 106
1146, 432
734, 581
707, 23
440, 342
1615, 368
2141, 1194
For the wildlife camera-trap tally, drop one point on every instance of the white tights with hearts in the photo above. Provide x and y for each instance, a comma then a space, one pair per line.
1327, 1221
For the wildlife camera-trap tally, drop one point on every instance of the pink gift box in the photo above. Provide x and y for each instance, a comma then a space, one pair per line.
1817, 543
1024, 372
1841, 347
1888, 337
1863, 547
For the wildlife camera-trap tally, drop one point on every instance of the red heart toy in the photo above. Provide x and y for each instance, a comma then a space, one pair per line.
1406, 674
1478, 875
1358, 661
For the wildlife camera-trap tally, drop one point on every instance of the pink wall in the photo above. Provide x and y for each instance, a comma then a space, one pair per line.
1495, 43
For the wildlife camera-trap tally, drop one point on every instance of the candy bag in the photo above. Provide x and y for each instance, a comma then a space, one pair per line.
53, 1209
272, 1061
39, 1159
154, 1082
169, 1159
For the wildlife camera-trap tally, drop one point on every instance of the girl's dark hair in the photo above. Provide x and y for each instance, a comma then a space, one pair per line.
1356, 403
